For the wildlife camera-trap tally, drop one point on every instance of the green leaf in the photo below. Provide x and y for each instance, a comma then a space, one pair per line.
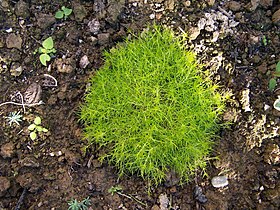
44, 58
37, 120
31, 127
33, 135
39, 128
272, 84
45, 130
48, 43
66, 11
59, 14
276, 74
278, 67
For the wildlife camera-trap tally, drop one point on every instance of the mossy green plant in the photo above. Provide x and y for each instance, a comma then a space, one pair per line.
152, 108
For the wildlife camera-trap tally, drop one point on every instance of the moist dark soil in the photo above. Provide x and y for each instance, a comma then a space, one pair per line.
238, 41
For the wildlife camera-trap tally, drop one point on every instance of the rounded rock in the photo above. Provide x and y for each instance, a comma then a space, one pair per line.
219, 181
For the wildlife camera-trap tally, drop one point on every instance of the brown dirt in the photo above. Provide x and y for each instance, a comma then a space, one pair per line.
54, 168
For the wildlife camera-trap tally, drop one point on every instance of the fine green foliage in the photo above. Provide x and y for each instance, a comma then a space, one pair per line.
76, 205
273, 81
46, 51
14, 117
115, 189
36, 127
63, 13
151, 108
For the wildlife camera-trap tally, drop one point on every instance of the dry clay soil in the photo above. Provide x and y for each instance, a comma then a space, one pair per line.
48, 172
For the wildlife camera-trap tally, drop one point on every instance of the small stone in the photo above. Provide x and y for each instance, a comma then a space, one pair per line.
163, 201
22, 9
4, 185
198, 195
276, 17
84, 62
33, 93
103, 38
254, 4
16, 69
14, 41
114, 10
234, 6
94, 26
7, 150
219, 181
45, 21
266, 3
194, 33
79, 11
152, 16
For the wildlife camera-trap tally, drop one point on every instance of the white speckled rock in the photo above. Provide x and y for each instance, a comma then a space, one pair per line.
219, 181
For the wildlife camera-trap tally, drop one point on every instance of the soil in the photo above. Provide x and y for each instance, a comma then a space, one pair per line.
239, 41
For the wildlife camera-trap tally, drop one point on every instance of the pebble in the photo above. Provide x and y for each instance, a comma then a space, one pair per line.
164, 202
219, 181
94, 26
266, 3
276, 17
198, 195
84, 62
45, 21
79, 11
16, 69
22, 9
14, 41
234, 6
103, 38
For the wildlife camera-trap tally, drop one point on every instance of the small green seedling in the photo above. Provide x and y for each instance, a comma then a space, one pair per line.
14, 117
115, 189
264, 41
46, 51
273, 81
76, 205
118, 190
63, 13
36, 127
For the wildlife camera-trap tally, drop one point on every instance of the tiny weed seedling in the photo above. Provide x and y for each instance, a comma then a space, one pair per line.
35, 128
152, 109
273, 81
118, 190
14, 117
63, 13
264, 41
46, 51
76, 205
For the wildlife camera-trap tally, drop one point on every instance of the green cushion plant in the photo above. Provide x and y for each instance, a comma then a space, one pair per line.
152, 109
